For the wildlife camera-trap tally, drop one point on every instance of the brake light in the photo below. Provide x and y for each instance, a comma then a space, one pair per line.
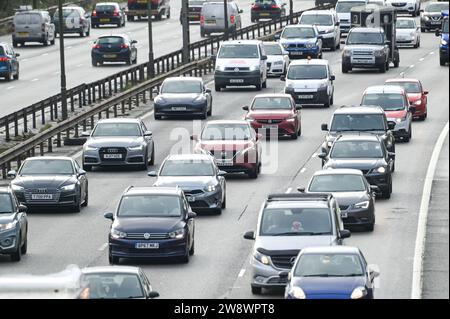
202, 19
94, 13
124, 46
274, 6
4, 59
96, 46
116, 13
232, 19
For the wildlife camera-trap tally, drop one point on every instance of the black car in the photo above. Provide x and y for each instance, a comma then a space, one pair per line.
50, 182
152, 222
366, 153
356, 197
107, 13
183, 96
268, 9
114, 48
198, 176
13, 225
355, 119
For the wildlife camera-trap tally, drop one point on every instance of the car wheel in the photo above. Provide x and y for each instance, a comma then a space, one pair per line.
86, 199
442, 61
87, 168
382, 68
113, 260
370, 227
16, 76
299, 130
259, 86
264, 85
15, 44
218, 88
210, 110
253, 174
332, 99
94, 63
256, 290
82, 34
157, 117
24, 247
192, 250
144, 166
224, 202
152, 157
387, 65
130, 60
386, 193
294, 136
17, 255
185, 258
345, 68
45, 43
130, 18
333, 46
88, 33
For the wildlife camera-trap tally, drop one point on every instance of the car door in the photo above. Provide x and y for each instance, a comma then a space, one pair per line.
50, 26
14, 61
188, 221
409, 114
82, 179
262, 63
330, 82
21, 218
208, 96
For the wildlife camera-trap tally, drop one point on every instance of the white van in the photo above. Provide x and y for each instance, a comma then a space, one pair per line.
343, 8
241, 63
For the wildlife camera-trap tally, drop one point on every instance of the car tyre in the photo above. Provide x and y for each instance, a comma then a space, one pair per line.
77, 207
218, 88
86, 199
94, 63
17, 255
113, 260
192, 250
152, 157
382, 68
16, 76
210, 110
87, 168
256, 290
370, 227
264, 85
253, 174
345, 68
224, 202
24, 248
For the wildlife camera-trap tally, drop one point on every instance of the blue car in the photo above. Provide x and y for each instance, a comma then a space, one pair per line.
9, 65
336, 272
443, 47
302, 41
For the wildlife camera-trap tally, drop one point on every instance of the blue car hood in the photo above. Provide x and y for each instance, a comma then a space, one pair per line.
328, 286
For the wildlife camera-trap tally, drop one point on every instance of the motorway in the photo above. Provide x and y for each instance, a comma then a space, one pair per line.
220, 267
40, 71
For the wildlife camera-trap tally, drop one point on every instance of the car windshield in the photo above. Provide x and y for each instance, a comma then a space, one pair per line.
150, 206
405, 24
217, 132
388, 101
357, 122
345, 7
273, 49
445, 26
187, 168
356, 149
329, 265
238, 51
295, 222
47, 167
365, 38
180, 87
116, 129
5, 204
298, 32
437, 7
270, 2
317, 19
110, 40
307, 72
272, 103
113, 285
409, 87
337, 183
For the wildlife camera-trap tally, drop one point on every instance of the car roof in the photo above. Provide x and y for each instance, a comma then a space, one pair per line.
305, 200
331, 250
183, 78
199, 156
367, 30
5, 190
120, 35
266, 95
252, 42
110, 269
107, 4
224, 122
384, 89
338, 171
299, 26
295, 204
358, 137
120, 120
309, 61
402, 80
365, 109
271, 43
36, 158
318, 12
151, 190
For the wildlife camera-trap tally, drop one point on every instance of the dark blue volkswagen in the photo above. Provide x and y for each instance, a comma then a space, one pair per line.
152, 222
337, 272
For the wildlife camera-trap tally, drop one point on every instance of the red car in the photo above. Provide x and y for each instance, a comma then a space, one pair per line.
234, 145
416, 95
274, 112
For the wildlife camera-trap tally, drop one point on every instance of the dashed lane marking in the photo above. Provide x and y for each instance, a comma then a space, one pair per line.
241, 273
411, 66
34, 80
421, 59
10, 88
103, 247
289, 190
303, 170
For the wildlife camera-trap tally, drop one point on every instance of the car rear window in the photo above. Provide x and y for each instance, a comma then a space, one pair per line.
337, 183
110, 40
27, 19
300, 33
150, 206
329, 265
357, 122
273, 49
387, 101
105, 8
213, 9
318, 19
409, 87
356, 149
272, 103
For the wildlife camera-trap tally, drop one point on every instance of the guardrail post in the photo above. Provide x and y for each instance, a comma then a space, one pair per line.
58, 140
41, 149
123, 107
81, 98
76, 130
7, 137
18, 161
121, 82
49, 145
130, 104
72, 106
42, 114
16, 125
115, 85
33, 113
84, 125
115, 110
25, 122
92, 123
107, 113
4, 172
55, 108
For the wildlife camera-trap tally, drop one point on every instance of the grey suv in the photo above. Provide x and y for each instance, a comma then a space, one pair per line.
119, 142
288, 223
33, 26
76, 20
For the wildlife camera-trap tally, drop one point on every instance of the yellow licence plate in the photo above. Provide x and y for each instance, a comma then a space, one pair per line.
104, 20
264, 14
23, 34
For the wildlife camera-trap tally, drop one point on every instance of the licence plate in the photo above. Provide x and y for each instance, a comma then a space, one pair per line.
264, 14
344, 215
110, 55
142, 1
435, 22
42, 196
191, 199
237, 81
23, 34
297, 53
224, 162
178, 108
270, 127
104, 20
210, 21
147, 245
305, 96
112, 156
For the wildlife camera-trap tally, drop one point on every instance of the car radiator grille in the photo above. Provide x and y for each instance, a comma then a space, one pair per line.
284, 262
151, 236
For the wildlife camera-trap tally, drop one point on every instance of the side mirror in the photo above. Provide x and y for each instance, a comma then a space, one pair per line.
85, 134
134, 42
155, 91
241, 11
152, 174
322, 155
109, 216
264, 57
391, 154
152, 295
22, 208
412, 109
191, 215
298, 107
148, 133
337, 23
324, 127
374, 188
373, 274
249, 235
342, 41
391, 125
245, 108
425, 92
222, 173
213, 57
259, 136
332, 77
285, 52
345, 234
12, 174
208, 91
277, 36
283, 275
81, 172
194, 137
301, 189
437, 33
283, 78
17, 55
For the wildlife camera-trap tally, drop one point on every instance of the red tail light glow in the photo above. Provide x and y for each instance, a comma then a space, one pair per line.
232, 19
96, 46
274, 6
94, 13
124, 46
4, 59
202, 19
116, 13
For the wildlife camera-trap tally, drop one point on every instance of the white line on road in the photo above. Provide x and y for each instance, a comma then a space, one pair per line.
10, 87
411, 66
79, 65
421, 59
289, 190
68, 47
303, 170
241, 273
417, 283
24, 60
44, 54
103, 247
431, 52
34, 80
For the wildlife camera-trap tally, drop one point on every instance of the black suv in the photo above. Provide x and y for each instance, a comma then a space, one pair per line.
13, 225
354, 119
366, 153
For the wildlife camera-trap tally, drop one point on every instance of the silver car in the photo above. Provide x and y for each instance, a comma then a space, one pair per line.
288, 223
212, 18
119, 142
33, 26
277, 58
408, 32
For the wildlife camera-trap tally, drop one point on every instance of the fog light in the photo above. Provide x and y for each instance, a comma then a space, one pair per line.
7, 242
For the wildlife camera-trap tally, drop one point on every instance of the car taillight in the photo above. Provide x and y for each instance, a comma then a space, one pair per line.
94, 13
4, 59
96, 46
232, 19
124, 46
116, 13
274, 6
202, 19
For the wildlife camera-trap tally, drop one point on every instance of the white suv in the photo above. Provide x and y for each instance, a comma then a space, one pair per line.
327, 23
406, 6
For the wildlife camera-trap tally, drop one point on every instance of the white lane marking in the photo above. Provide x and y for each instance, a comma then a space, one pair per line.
79, 65
24, 60
411, 66
57, 73
314, 155
68, 47
44, 54
289, 190
303, 170
34, 80
103, 247
10, 87
241, 273
417, 283
421, 59
431, 53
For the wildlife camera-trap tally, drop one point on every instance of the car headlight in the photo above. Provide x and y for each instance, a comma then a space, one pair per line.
70, 187
418, 102
178, 234
8, 226
347, 53
310, 45
426, 18
278, 63
297, 293
443, 42
381, 169
329, 30
17, 188
400, 119
136, 148
378, 53
412, 34
210, 188
291, 118
160, 100
358, 293
263, 259
322, 85
362, 205
90, 148
254, 68
118, 234
220, 68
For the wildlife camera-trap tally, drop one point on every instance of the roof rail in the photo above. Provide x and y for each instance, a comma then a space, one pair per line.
299, 197
128, 188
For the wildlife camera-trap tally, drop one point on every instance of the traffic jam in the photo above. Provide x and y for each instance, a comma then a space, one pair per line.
299, 238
